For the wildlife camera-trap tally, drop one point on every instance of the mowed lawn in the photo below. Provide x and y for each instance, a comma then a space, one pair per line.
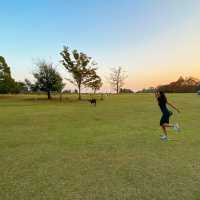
72, 150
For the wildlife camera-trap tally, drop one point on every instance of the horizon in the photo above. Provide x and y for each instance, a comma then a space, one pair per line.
154, 42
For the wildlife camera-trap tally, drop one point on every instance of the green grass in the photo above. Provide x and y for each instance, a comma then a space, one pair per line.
71, 150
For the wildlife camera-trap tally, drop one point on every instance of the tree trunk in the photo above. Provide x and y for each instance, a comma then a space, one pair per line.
60, 96
49, 94
79, 92
117, 88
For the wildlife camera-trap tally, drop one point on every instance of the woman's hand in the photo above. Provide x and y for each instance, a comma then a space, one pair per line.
156, 93
174, 107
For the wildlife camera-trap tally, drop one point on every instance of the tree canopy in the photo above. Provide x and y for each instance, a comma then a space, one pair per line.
7, 83
80, 66
47, 78
95, 82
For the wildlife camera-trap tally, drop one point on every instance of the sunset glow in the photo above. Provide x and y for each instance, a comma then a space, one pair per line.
154, 41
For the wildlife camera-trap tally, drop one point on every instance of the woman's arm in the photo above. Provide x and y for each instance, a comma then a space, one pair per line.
156, 94
174, 107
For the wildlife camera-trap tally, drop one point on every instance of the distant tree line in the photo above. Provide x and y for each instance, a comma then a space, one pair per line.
125, 91
187, 85
83, 72
182, 85
147, 90
81, 67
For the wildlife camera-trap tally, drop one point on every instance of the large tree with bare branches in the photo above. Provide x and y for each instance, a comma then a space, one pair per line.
117, 78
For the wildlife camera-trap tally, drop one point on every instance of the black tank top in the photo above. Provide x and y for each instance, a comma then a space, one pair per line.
163, 107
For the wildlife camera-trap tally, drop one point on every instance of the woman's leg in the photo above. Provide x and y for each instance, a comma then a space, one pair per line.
174, 126
168, 125
164, 123
164, 129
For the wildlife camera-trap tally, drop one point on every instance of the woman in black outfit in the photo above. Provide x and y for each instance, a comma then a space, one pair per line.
166, 113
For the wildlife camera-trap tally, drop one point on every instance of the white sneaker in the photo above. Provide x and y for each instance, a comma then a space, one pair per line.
177, 127
164, 138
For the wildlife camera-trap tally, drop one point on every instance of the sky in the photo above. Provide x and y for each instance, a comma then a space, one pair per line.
155, 41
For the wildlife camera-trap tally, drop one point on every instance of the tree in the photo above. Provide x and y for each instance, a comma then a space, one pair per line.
198, 88
182, 85
7, 83
117, 78
147, 90
4, 69
30, 86
80, 66
20, 87
126, 90
95, 82
47, 78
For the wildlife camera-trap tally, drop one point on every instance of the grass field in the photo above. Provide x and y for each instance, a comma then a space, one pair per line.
71, 150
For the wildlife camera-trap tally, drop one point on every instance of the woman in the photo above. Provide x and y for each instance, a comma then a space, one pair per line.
164, 121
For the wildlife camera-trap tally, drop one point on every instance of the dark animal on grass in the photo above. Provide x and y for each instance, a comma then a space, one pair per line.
93, 102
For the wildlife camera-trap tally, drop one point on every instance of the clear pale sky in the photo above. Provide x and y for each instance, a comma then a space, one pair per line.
155, 41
